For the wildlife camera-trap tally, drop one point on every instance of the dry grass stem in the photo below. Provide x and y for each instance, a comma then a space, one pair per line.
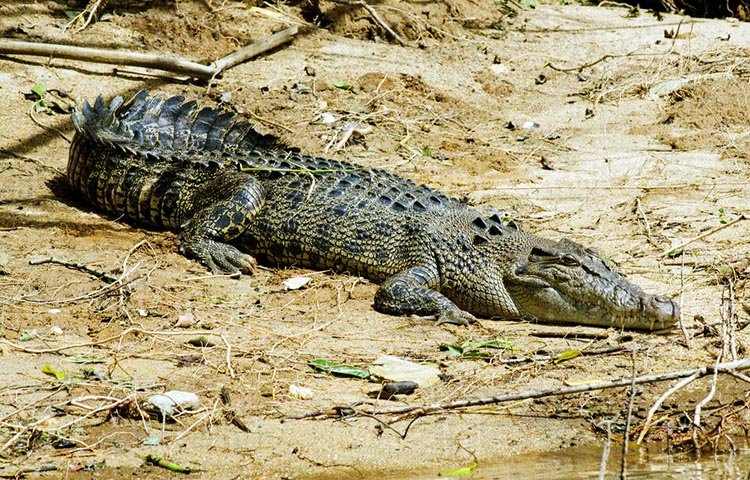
209, 414
23, 429
378, 19
676, 387
84, 17
628, 419
703, 235
699, 406
683, 327
78, 266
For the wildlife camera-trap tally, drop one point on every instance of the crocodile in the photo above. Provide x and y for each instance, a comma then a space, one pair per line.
236, 197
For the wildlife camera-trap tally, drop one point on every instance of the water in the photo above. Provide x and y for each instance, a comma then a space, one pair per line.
583, 464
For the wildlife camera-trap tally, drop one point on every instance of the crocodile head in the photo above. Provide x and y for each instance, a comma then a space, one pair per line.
564, 282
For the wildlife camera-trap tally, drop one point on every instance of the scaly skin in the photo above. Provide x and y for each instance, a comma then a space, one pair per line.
235, 195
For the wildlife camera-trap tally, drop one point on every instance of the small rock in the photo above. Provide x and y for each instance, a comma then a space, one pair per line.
185, 320
301, 393
388, 390
174, 401
399, 370
295, 283
327, 118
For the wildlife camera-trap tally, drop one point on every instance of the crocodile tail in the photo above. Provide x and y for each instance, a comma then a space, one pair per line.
154, 124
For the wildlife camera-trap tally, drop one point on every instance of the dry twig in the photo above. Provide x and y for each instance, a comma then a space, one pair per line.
253, 50
77, 266
378, 19
628, 419
703, 235
89, 12
727, 367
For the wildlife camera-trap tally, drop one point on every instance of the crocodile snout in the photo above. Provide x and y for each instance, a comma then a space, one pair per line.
664, 311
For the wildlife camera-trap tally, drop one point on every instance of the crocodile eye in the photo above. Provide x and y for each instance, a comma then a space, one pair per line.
539, 255
570, 260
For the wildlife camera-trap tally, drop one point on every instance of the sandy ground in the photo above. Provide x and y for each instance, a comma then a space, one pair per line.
641, 145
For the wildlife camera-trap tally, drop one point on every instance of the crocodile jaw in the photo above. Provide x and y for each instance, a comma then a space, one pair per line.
641, 311
563, 282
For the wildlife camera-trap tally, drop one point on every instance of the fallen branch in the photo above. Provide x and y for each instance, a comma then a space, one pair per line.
100, 55
159, 62
728, 367
253, 50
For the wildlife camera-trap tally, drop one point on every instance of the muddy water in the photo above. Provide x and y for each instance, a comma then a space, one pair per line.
585, 463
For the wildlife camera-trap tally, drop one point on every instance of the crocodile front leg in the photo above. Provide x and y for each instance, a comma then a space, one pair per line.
224, 207
412, 292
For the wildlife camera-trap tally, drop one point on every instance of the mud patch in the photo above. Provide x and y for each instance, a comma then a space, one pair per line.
411, 21
712, 114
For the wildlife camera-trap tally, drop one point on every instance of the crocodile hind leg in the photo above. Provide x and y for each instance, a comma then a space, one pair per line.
411, 292
224, 207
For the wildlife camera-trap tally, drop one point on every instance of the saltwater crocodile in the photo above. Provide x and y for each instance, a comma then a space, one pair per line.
235, 195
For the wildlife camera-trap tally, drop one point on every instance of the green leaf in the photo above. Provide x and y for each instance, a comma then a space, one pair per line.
48, 370
347, 371
675, 253
40, 106
335, 368
171, 466
322, 365
453, 350
460, 471
28, 336
39, 89
477, 354
71, 14
500, 343
343, 85
722, 218
426, 151
567, 355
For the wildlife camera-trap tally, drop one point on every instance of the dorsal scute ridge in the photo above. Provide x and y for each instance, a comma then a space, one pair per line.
161, 126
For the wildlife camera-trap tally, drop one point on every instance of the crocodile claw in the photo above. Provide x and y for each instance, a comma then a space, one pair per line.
226, 259
222, 258
455, 317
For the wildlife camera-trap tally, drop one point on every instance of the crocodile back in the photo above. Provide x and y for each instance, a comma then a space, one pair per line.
151, 158
161, 126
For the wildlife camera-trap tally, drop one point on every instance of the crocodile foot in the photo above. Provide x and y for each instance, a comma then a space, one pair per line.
222, 258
